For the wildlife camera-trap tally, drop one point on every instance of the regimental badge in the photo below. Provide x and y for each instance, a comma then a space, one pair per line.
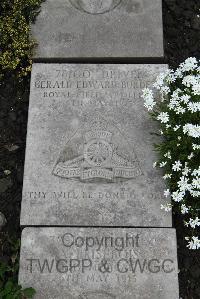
97, 152
95, 7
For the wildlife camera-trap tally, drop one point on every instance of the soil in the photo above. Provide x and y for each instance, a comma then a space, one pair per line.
181, 40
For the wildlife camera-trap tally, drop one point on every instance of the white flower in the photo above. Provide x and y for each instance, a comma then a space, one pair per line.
178, 196
195, 146
196, 183
162, 164
179, 73
163, 117
192, 81
159, 81
189, 64
173, 104
194, 222
170, 76
167, 176
193, 107
167, 207
196, 89
147, 92
195, 193
165, 90
190, 156
186, 170
179, 110
176, 127
176, 93
184, 209
168, 155
167, 193
180, 105
177, 166
183, 184
189, 80
185, 98
194, 243
147, 95
192, 130
149, 104
168, 126
196, 172
175, 100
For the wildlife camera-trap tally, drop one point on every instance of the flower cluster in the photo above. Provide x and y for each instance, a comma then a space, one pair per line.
178, 114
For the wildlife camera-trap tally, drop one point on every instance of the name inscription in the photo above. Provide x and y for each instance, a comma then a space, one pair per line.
116, 85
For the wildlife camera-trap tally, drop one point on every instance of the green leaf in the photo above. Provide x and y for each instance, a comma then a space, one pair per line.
8, 286
11, 296
29, 292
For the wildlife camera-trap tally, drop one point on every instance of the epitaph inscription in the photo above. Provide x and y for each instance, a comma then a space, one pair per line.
89, 149
88, 263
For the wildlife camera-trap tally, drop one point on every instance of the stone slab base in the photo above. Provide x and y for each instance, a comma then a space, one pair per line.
100, 263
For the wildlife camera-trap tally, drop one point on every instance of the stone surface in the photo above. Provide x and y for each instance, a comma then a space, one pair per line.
93, 28
90, 152
99, 263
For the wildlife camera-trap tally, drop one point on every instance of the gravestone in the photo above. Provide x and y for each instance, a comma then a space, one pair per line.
100, 263
89, 151
89, 185
99, 29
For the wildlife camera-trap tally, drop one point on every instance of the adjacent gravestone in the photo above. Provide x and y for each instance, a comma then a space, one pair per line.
99, 29
90, 152
100, 263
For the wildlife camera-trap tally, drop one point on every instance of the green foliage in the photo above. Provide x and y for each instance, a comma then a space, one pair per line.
9, 288
16, 45
16, 49
12, 290
178, 116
